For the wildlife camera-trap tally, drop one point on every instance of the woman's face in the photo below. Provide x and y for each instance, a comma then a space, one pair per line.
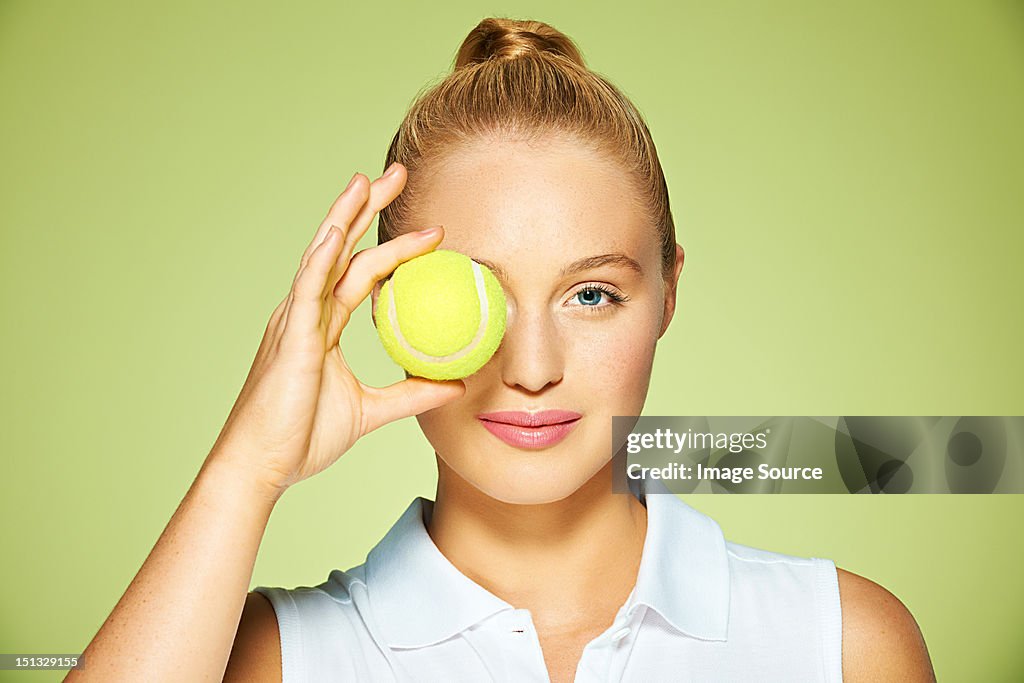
560, 224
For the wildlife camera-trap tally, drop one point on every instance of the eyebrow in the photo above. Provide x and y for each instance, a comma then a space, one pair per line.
589, 263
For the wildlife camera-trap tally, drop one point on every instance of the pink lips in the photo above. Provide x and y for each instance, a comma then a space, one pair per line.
530, 430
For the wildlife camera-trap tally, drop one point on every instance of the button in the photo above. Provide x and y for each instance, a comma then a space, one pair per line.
620, 634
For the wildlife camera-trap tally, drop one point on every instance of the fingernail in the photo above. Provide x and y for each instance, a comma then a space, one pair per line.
391, 169
354, 176
429, 232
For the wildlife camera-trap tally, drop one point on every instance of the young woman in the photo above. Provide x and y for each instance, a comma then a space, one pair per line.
526, 566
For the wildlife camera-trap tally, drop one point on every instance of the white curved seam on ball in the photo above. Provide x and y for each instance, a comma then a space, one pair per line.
481, 294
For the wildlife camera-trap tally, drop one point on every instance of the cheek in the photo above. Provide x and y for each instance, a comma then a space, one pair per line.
611, 360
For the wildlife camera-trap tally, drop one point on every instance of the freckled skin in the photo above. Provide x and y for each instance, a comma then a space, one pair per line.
533, 210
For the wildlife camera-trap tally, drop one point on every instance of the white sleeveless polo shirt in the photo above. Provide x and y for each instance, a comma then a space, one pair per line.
702, 609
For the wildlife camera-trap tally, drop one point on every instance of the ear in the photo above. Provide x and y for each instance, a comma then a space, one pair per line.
670, 292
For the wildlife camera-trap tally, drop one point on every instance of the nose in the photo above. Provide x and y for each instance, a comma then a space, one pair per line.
531, 355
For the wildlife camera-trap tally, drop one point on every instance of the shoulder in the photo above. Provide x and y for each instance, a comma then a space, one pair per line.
293, 634
881, 639
256, 653
752, 556
765, 578
757, 569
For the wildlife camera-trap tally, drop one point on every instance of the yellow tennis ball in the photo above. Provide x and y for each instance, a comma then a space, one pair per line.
441, 315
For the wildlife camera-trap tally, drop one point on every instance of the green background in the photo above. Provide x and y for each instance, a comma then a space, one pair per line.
846, 182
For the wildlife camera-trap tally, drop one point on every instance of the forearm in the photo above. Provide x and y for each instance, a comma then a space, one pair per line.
177, 619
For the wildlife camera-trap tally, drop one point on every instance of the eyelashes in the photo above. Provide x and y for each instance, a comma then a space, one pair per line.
592, 291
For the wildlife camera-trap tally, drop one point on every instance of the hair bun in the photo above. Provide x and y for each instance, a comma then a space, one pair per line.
511, 38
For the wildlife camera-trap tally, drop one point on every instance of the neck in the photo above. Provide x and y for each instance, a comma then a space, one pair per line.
551, 558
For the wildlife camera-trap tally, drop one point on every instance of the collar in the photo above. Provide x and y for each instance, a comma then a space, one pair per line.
418, 597
684, 567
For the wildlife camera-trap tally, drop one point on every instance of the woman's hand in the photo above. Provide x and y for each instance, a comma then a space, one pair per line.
301, 407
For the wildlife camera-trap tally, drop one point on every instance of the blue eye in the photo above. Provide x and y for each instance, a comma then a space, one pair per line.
590, 297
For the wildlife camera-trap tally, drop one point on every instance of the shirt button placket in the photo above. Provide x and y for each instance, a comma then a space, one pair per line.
503, 644
528, 653
599, 656
622, 641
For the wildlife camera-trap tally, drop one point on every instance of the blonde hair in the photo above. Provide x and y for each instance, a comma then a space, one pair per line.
525, 79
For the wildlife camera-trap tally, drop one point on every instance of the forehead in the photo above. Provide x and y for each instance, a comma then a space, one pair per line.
530, 206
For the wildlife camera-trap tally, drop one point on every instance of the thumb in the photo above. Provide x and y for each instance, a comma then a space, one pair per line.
408, 397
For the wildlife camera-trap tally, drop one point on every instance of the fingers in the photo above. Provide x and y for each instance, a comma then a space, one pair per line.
352, 211
412, 396
374, 264
344, 209
307, 298
383, 191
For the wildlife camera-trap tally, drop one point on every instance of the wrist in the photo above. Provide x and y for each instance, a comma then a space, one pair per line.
229, 473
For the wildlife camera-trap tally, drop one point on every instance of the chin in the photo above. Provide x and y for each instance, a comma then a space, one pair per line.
522, 478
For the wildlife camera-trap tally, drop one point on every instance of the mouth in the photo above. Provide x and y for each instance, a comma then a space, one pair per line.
530, 430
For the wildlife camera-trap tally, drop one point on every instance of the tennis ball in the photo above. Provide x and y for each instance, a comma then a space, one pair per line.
441, 315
